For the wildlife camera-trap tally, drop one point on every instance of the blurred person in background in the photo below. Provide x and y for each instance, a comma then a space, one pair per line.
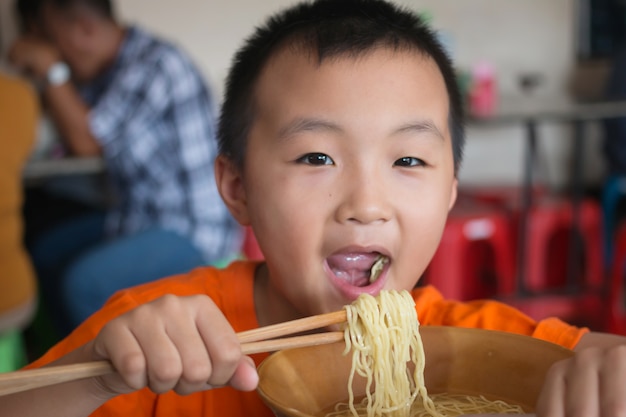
19, 111
140, 103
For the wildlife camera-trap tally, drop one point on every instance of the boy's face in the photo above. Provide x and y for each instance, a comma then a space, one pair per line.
346, 161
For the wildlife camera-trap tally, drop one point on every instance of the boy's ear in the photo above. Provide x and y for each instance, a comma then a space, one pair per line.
230, 186
453, 193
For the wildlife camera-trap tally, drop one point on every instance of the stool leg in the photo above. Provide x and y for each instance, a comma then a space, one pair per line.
610, 199
593, 249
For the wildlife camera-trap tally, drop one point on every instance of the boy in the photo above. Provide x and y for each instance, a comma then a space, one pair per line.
340, 141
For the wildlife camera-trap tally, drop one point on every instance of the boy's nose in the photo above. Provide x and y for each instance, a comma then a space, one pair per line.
365, 201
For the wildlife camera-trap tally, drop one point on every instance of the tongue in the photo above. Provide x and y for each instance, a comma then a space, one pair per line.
353, 267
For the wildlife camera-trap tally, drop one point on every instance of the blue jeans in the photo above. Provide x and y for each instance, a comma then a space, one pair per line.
79, 270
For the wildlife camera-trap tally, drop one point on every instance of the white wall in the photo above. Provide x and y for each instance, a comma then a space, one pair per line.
516, 36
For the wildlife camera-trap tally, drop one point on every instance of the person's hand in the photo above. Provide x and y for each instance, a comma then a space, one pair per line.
591, 383
33, 55
183, 344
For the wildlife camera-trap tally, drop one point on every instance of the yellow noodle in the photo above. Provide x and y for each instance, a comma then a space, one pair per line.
453, 405
446, 405
383, 335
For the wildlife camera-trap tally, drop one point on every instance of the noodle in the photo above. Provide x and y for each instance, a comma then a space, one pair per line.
452, 405
383, 334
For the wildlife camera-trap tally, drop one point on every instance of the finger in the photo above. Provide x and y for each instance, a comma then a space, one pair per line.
163, 361
225, 350
613, 383
550, 402
19, 53
117, 344
245, 377
15, 57
582, 382
196, 362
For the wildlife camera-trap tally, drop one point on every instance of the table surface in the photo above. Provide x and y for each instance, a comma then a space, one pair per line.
45, 168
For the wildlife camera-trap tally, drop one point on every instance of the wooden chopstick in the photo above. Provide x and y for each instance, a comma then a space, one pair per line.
292, 327
263, 339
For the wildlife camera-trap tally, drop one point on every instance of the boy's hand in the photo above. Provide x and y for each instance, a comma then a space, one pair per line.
591, 383
183, 344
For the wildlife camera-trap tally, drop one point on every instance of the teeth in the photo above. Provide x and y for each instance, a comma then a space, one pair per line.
377, 268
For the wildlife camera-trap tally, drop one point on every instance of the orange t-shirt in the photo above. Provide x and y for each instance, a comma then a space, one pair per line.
232, 290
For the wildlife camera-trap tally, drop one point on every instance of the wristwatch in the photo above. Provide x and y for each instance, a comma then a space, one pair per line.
58, 74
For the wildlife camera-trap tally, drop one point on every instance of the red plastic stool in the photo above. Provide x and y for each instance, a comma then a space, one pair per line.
616, 317
508, 197
475, 257
250, 247
550, 228
549, 289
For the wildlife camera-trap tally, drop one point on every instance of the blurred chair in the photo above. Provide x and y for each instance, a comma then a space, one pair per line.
19, 117
551, 224
475, 258
616, 317
554, 282
551, 227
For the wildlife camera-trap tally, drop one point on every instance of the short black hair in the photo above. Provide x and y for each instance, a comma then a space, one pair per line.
29, 11
330, 28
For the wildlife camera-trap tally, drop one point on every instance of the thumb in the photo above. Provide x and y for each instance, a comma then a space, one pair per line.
245, 377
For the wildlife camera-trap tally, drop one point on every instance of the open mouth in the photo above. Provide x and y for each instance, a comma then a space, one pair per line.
358, 269
377, 268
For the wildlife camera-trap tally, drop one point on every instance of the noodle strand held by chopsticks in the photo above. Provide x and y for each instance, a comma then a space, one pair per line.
383, 335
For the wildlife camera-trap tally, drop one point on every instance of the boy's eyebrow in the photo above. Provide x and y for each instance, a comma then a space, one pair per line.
307, 124
312, 124
419, 126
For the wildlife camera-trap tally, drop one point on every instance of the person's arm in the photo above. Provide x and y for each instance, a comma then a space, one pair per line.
72, 399
71, 117
68, 110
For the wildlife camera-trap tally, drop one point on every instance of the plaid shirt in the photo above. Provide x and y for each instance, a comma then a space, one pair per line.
153, 116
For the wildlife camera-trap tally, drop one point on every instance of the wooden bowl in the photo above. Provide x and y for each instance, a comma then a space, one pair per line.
303, 382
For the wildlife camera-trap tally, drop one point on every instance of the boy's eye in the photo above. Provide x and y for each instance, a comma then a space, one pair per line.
409, 161
315, 159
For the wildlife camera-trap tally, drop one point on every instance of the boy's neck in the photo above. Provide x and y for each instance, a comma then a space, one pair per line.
270, 307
